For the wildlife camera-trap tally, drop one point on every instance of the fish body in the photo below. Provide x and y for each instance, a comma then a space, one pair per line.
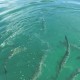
64, 58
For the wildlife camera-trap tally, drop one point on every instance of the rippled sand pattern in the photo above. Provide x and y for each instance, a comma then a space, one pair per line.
39, 40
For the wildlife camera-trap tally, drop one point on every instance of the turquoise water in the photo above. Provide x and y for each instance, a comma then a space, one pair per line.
39, 40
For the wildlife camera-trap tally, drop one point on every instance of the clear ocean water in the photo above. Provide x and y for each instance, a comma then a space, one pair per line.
39, 40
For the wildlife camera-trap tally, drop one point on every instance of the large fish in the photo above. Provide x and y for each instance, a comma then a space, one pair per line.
64, 58
74, 74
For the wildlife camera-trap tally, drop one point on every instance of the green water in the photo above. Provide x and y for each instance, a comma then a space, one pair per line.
39, 40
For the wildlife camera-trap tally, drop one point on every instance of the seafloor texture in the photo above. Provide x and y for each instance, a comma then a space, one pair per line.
39, 39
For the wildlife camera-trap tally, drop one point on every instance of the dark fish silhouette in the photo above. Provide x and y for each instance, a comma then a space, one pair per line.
63, 60
74, 73
43, 25
5, 71
78, 58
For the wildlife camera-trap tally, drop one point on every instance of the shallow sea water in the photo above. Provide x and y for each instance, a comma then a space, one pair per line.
39, 40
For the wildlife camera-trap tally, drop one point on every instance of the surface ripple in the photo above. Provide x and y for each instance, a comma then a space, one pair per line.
30, 36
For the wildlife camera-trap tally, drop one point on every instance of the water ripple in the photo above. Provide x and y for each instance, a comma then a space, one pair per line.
23, 31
